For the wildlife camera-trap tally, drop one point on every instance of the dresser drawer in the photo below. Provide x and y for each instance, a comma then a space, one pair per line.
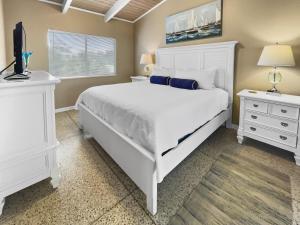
257, 106
282, 124
282, 138
284, 111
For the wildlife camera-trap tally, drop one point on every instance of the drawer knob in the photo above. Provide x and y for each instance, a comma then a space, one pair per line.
253, 117
284, 111
284, 124
253, 128
283, 137
255, 105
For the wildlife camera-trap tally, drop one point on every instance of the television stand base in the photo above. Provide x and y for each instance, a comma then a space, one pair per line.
15, 76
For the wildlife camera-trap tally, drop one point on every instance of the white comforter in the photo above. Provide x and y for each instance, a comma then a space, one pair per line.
154, 116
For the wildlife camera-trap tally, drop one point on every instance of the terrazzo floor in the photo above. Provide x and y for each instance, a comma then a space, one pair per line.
94, 190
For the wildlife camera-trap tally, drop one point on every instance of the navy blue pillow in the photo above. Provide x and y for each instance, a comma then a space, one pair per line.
159, 80
184, 83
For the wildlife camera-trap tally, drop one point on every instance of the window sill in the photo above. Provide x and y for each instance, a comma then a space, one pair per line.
80, 77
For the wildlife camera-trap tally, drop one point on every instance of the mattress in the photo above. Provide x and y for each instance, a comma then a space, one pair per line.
154, 116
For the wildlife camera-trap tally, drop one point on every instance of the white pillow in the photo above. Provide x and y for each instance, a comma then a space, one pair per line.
161, 71
205, 78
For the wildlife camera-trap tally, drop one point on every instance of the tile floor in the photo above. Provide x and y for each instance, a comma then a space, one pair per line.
94, 190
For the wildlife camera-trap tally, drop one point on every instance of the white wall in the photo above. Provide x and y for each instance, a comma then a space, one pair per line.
2, 38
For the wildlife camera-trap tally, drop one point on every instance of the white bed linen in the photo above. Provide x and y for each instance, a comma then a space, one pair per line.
154, 116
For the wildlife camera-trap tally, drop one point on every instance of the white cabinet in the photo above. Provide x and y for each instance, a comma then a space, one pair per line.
27, 133
273, 119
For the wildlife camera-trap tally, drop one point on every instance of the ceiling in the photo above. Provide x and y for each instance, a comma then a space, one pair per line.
137, 8
131, 12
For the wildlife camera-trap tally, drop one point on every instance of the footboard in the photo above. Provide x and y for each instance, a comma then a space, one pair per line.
137, 163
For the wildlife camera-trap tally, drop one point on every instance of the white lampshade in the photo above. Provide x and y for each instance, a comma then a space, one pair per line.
146, 59
276, 56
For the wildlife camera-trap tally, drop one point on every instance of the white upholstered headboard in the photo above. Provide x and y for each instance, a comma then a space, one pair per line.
199, 57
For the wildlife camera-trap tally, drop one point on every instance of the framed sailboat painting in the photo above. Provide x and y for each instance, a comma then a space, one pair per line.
201, 22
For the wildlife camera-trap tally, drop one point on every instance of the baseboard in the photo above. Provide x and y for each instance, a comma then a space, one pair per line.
235, 126
65, 109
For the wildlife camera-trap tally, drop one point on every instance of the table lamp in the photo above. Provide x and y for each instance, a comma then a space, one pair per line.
276, 56
147, 60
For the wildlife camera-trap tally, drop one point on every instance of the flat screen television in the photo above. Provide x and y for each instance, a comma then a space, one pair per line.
18, 38
18, 47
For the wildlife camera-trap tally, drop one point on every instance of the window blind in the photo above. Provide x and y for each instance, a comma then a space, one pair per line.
77, 55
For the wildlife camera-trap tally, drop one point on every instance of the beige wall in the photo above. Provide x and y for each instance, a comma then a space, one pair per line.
2, 38
254, 23
39, 17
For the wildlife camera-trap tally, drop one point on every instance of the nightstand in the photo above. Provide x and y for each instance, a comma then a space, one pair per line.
139, 78
272, 119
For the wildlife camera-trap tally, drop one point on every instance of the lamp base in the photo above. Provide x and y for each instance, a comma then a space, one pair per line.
273, 91
148, 70
274, 78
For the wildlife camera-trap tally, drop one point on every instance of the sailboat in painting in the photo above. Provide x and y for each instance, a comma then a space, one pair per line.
201, 22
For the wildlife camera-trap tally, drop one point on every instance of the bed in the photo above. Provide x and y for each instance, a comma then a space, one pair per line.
141, 125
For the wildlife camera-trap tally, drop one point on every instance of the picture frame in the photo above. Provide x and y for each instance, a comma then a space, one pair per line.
204, 21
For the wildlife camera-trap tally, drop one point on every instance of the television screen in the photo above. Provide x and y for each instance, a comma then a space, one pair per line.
18, 46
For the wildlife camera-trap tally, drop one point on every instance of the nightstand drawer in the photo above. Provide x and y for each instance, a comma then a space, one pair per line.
282, 138
257, 106
284, 111
282, 124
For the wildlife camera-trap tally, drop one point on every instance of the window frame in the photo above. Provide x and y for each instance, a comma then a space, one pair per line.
82, 76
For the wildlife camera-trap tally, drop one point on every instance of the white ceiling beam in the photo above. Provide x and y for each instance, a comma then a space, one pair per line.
115, 9
82, 10
66, 5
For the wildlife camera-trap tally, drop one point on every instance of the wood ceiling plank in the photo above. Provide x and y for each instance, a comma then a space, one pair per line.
100, 6
133, 10
136, 8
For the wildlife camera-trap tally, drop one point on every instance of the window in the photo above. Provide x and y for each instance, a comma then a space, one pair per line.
77, 55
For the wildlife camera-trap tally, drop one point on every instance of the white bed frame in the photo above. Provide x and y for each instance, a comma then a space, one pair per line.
140, 164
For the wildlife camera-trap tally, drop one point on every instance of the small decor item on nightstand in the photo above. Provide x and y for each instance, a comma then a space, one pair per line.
139, 78
252, 92
276, 56
147, 60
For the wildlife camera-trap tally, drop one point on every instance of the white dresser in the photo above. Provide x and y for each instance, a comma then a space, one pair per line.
27, 133
271, 119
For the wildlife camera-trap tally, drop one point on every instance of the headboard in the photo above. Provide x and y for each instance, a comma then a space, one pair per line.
199, 57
